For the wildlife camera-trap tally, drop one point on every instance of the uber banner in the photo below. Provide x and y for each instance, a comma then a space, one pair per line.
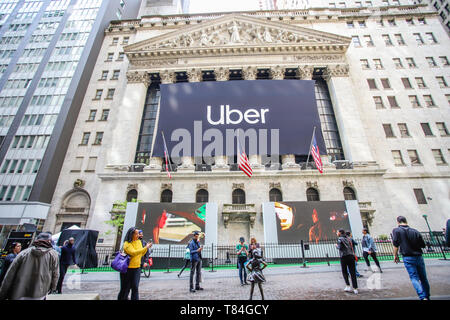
269, 117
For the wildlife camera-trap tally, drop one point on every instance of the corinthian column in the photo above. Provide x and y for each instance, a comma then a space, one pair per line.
277, 73
249, 73
127, 122
305, 72
168, 77
194, 75
222, 74
348, 114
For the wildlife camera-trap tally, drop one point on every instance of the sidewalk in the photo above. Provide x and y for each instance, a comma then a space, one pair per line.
283, 283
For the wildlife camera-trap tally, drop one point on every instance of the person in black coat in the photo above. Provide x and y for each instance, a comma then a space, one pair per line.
447, 234
16, 247
66, 259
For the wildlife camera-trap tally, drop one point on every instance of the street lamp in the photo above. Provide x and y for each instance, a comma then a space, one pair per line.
431, 234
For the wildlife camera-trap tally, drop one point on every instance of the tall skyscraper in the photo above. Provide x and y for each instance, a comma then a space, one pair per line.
443, 9
48, 49
163, 7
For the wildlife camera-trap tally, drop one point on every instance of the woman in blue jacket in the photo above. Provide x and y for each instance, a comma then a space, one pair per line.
369, 248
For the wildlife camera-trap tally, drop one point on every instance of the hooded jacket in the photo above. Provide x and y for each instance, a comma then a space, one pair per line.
33, 273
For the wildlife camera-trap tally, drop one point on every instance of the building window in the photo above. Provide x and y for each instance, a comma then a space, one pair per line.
378, 102
116, 75
110, 95
404, 132
77, 164
431, 62
365, 64
388, 130
372, 84
85, 139
387, 40
132, 195
356, 41
398, 63
37, 164
349, 194
410, 22
166, 196
414, 101
312, 194
104, 75
115, 41
202, 196
444, 61
411, 63
92, 115
275, 195
393, 102
430, 37
414, 157
98, 94
350, 24
385, 83
378, 64
406, 83
380, 23
362, 24
443, 132
92, 162
439, 157
418, 37
98, 138
392, 23
121, 56
422, 21
426, 129
420, 83
441, 81
429, 102
368, 40
105, 115
238, 196
420, 197
10, 194
110, 57
399, 39
126, 40
398, 159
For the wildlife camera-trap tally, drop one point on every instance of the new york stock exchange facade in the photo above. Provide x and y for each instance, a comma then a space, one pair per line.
277, 46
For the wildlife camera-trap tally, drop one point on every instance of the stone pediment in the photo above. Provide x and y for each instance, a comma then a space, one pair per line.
238, 31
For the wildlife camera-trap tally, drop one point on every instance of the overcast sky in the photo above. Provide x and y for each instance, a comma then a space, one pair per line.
200, 6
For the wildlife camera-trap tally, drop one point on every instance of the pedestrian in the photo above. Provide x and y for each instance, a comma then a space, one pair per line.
369, 249
132, 246
410, 243
447, 234
256, 275
66, 259
354, 244
187, 260
15, 249
195, 251
33, 273
146, 256
253, 245
242, 256
347, 258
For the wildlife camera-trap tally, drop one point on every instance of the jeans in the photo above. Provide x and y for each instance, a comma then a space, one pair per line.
130, 281
62, 272
348, 262
242, 271
418, 275
196, 267
186, 263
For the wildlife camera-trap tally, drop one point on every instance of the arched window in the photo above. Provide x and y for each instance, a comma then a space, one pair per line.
312, 195
166, 196
132, 194
202, 196
349, 194
275, 195
238, 196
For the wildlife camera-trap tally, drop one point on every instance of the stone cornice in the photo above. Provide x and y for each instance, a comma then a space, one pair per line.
138, 77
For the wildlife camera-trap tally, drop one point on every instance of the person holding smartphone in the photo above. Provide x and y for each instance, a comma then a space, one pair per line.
195, 249
242, 253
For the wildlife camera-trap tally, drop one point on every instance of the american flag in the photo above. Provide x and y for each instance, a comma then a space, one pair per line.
166, 156
316, 154
243, 162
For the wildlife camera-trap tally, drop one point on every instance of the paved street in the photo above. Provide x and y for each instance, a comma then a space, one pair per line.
285, 283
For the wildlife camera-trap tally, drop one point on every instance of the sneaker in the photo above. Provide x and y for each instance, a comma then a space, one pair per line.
355, 291
347, 289
191, 290
198, 288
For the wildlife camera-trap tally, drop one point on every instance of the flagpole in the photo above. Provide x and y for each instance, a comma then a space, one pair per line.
312, 138
165, 144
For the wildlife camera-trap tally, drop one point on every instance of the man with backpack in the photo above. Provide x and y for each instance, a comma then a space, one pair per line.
410, 243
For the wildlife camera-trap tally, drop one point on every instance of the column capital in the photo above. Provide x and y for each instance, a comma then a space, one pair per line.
337, 70
277, 73
138, 77
194, 75
222, 74
168, 77
305, 72
249, 73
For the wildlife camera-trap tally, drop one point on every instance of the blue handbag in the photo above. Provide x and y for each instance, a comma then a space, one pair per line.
121, 262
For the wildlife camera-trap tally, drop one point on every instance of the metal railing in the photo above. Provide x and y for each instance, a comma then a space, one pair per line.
169, 257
